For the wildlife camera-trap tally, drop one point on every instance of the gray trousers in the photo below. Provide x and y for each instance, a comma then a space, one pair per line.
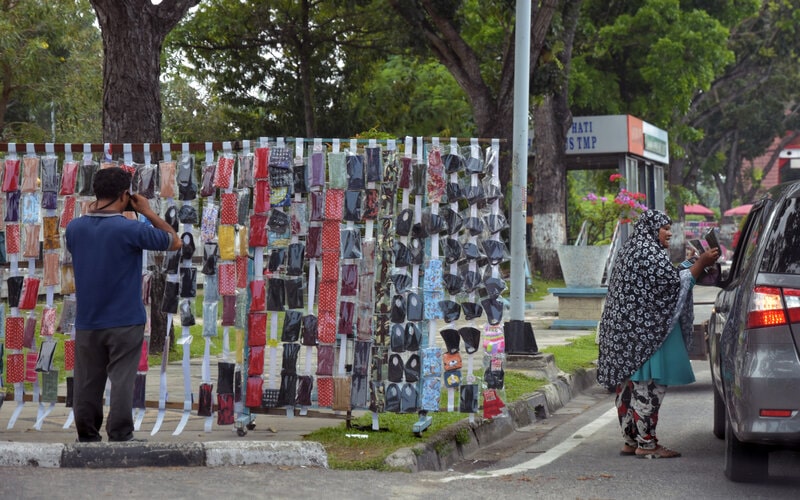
113, 354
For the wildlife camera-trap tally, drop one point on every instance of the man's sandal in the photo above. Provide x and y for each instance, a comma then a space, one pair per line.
627, 450
657, 452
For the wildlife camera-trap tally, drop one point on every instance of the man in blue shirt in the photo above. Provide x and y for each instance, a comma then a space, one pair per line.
106, 253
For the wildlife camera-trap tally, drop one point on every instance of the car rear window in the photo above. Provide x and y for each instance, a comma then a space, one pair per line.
782, 247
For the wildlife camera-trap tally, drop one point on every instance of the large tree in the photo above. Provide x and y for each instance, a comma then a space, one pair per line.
133, 35
482, 62
49, 78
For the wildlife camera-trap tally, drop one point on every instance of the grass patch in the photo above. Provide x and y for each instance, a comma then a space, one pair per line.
396, 430
580, 354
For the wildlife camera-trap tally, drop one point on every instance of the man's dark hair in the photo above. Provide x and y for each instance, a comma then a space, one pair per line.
109, 183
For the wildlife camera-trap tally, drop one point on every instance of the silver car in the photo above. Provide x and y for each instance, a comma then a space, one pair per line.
754, 338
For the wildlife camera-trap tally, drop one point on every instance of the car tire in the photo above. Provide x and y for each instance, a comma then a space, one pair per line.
744, 462
719, 414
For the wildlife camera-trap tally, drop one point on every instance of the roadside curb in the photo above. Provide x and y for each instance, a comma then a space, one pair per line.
458, 441
143, 454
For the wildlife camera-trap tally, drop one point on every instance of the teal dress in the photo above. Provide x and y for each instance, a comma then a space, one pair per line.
670, 364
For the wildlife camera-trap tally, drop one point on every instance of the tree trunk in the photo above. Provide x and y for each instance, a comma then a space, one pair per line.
549, 192
133, 33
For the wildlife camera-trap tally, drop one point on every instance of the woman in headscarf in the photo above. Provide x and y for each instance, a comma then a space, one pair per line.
644, 330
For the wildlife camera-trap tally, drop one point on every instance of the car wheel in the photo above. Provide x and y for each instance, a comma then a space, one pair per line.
744, 462
719, 414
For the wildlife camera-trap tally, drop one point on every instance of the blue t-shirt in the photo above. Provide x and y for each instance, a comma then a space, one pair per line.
107, 259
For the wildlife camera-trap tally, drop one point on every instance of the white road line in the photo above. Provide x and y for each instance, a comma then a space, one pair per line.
550, 455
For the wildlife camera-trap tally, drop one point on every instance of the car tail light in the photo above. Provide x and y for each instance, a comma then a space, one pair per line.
775, 413
792, 298
766, 308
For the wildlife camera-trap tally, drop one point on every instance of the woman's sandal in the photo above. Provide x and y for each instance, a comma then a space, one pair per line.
627, 450
657, 452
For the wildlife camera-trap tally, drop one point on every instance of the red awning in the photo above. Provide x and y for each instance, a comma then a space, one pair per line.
740, 210
697, 209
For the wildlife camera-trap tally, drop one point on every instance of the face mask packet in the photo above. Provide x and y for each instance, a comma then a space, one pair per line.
144, 180
208, 224
49, 200
12, 207
417, 251
398, 311
207, 180
314, 242
418, 179
44, 361
494, 309
309, 330
453, 283
281, 178
49, 174
187, 186
316, 200
470, 251
495, 251
473, 225
451, 310
210, 319
11, 175
473, 163
52, 240
325, 357
229, 209
347, 318
299, 185
187, 315
370, 205
276, 294
472, 310
364, 322
386, 200
404, 177
205, 407
294, 262
292, 321
495, 223
261, 164
223, 177
472, 279
68, 312
276, 259
256, 329
289, 359
374, 164
454, 192
316, 172
395, 368
354, 164
210, 253
452, 219
294, 293
169, 301
453, 163
352, 206
87, 171
14, 288
280, 157
402, 256
349, 280
262, 197
468, 398
188, 282
404, 222
31, 247
494, 286
351, 244
257, 236
69, 178
30, 211
245, 177
432, 223
187, 214
397, 338
29, 333
436, 180
211, 288
412, 337
474, 194
51, 268
451, 248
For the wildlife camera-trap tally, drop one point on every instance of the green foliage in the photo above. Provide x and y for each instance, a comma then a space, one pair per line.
50, 58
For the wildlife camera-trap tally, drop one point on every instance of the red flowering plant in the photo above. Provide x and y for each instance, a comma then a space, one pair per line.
602, 212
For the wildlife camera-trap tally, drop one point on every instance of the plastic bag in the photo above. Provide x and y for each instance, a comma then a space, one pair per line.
187, 185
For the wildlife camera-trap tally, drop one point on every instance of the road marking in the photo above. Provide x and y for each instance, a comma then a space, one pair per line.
550, 455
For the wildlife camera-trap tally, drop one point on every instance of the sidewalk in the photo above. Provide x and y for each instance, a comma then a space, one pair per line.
277, 438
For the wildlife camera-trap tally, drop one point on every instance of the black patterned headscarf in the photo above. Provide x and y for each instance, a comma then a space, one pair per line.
642, 298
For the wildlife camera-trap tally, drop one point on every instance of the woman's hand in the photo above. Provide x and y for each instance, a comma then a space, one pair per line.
709, 257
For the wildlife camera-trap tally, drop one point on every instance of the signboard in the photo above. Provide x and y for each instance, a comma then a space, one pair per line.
616, 134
